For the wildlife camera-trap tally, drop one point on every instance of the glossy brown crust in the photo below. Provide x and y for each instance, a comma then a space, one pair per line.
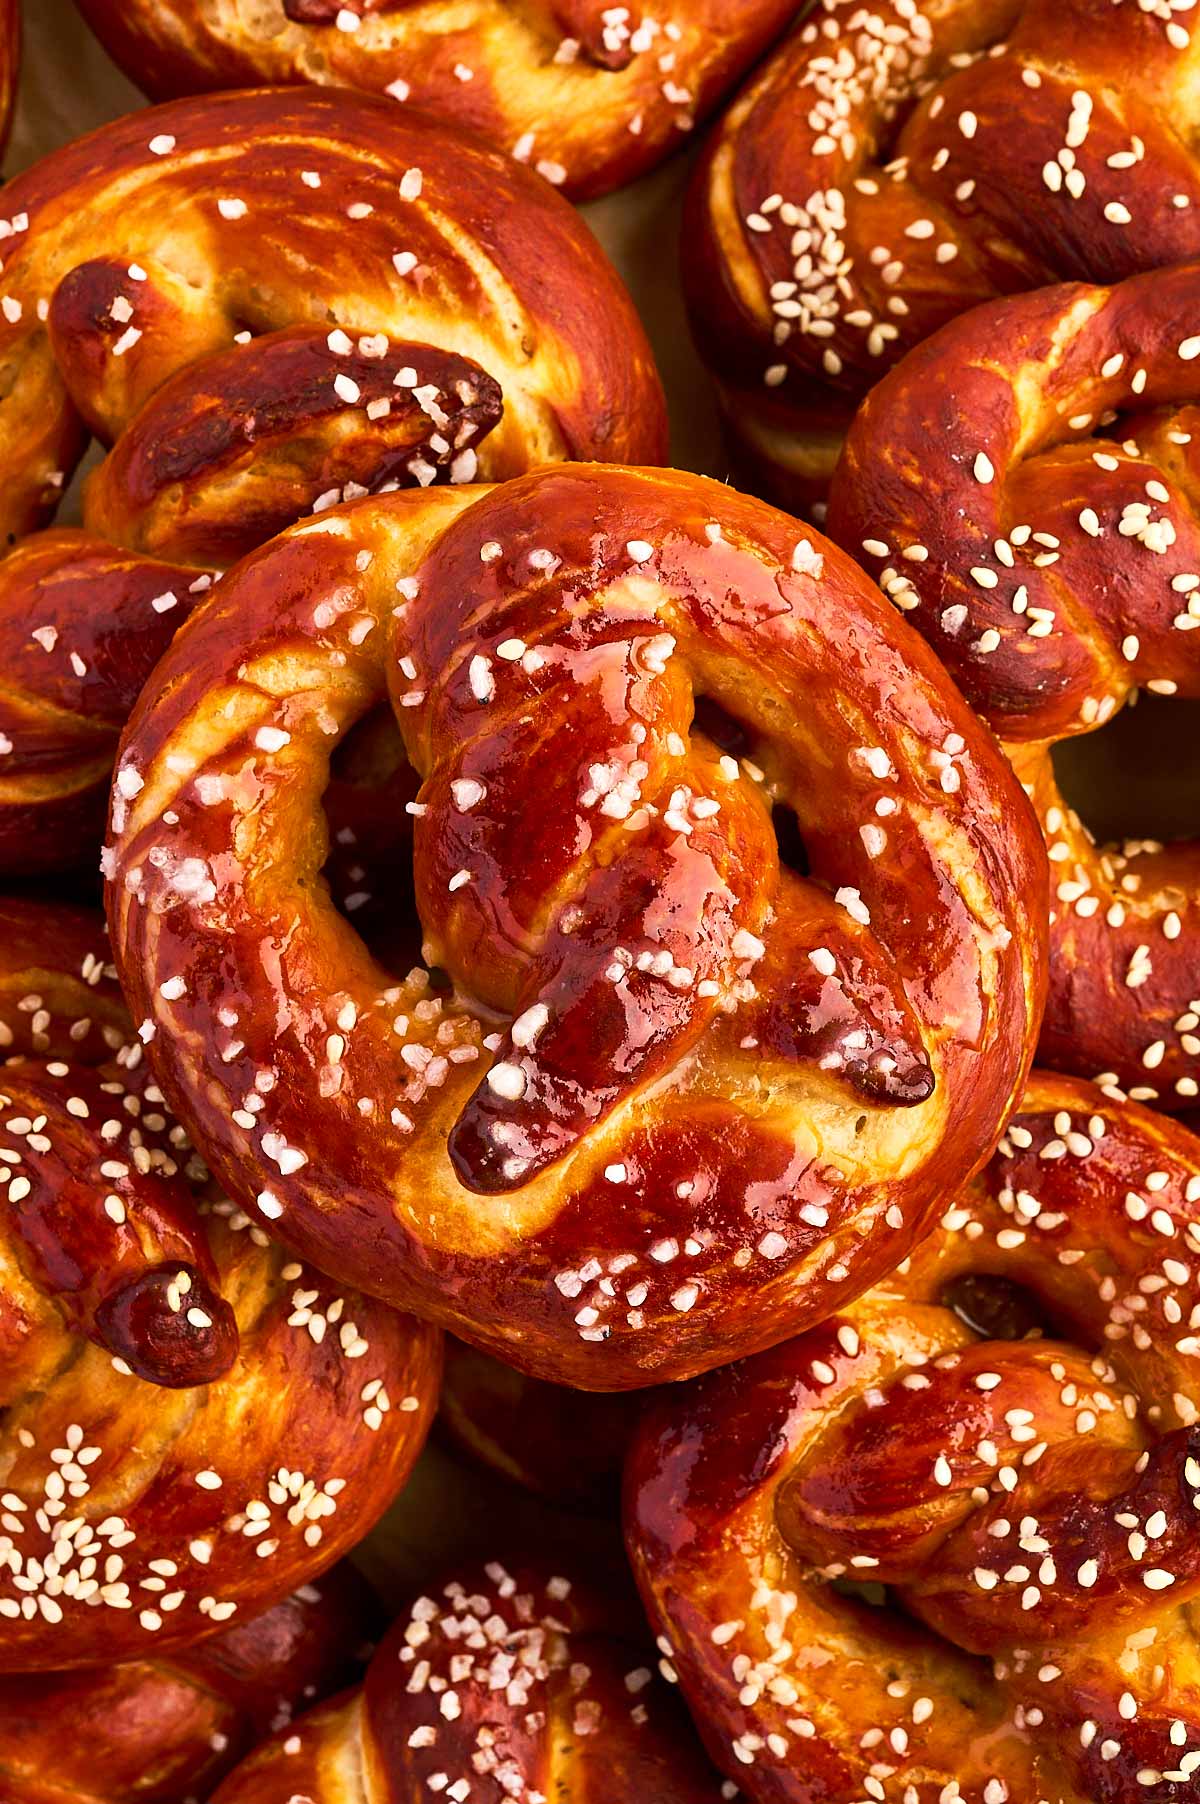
171, 1728
82, 625
719, 1097
59, 995
895, 164
1026, 485
10, 55
192, 1426
589, 95
351, 299
1030, 1504
505, 1684
566, 1445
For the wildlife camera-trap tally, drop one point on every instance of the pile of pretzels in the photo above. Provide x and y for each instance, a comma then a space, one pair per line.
598, 1189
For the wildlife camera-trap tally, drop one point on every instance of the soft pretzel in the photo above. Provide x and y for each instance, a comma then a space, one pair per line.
169, 1729
506, 1685
1027, 488
347, 300
898, 162
1028, 1503
587, 93
192, 1425
662, 1098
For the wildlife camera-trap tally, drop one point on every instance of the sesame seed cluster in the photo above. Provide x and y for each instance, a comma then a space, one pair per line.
869, 185
156, 1480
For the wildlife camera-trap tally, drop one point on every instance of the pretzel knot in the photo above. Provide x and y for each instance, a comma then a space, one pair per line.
661, 1093
1026, 487
869, 185
588, 94
349, 301
152, 1350
508, 1683
1006, 1436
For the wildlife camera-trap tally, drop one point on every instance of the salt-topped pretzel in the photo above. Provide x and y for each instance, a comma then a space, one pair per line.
192, 1425
588, 93
347, 300
898, 161
1030, 1504
1026, 486
667, 1097
169, 1729
509, 1684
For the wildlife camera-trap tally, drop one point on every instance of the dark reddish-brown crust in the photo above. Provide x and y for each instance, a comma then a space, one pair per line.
565, 1445
916, 165
462, 320
518, 1683
589, 122
101, 618
218, 1425
1031, 1501
630, 1233
165, 1729
985, 431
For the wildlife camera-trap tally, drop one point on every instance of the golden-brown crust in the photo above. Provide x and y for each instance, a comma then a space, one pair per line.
350, 299
1026, 484
192, 1425
896, 164
1029, 1504
704, 1097
504, 1684
588, 94
167, 1728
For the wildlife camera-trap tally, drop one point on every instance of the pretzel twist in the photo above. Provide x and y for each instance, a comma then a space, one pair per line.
670, 1096
1028, 1503
591, 95
502, 1685
897, 163
1026, 486
348, 300
171, 1728
192, 1425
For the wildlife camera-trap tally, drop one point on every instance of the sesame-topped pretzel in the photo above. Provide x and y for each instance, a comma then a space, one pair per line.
654, 1096
590, 93
898, 161
170, 1728
510, 1684
1026, 487
346, 300
191, 1425
1006, 1436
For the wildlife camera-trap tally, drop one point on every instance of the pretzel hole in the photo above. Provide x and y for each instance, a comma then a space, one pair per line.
995, 1308
729, 735
1134, 777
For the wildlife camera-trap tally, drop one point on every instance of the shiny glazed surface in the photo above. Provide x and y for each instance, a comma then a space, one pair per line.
669, 1096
